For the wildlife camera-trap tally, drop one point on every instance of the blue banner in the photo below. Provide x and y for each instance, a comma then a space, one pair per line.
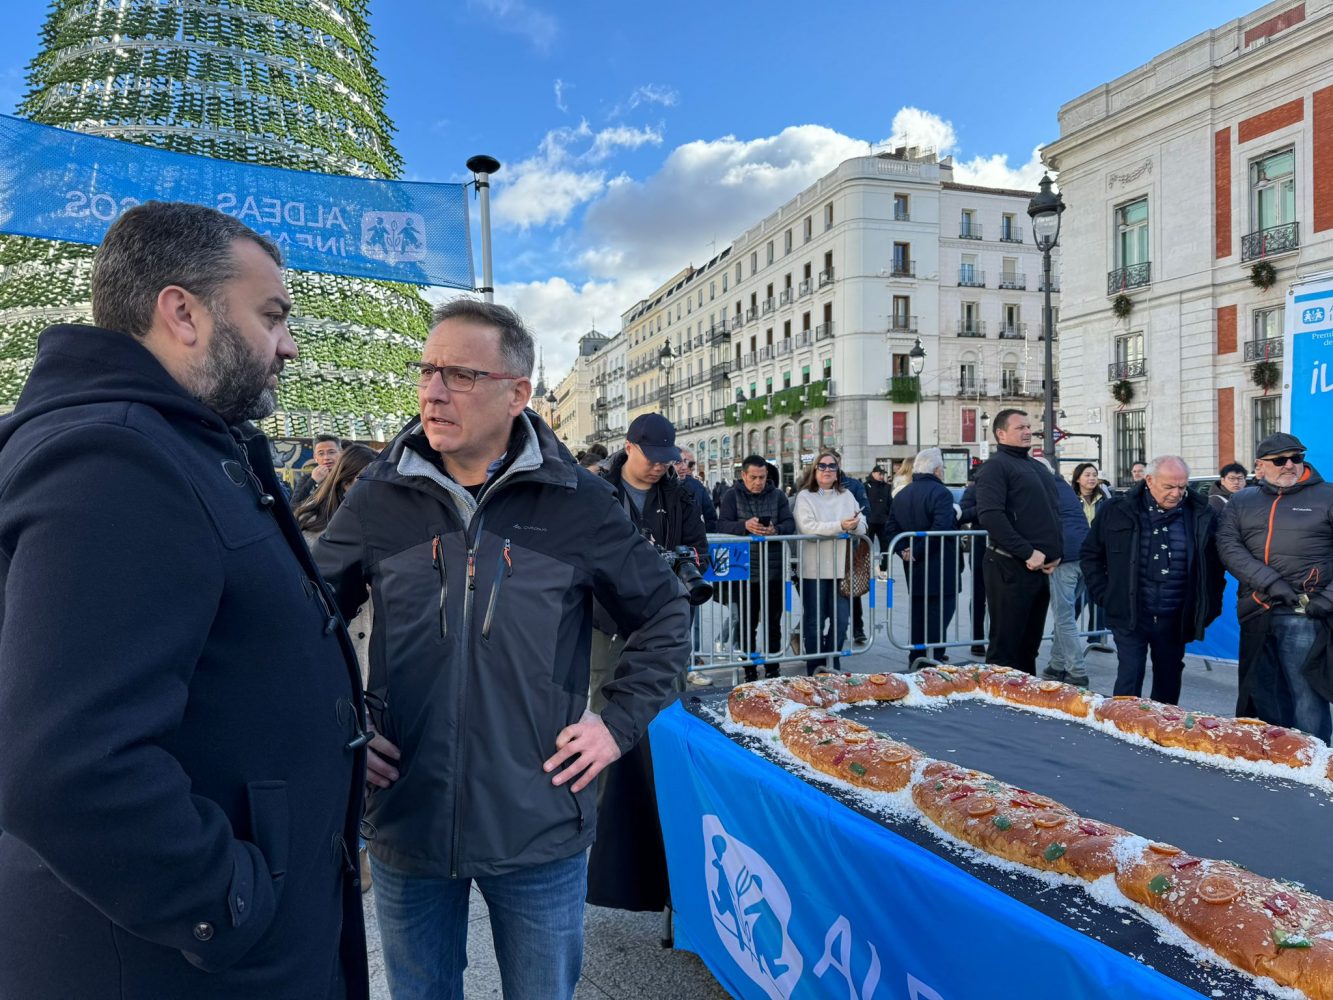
1221, 641
62, 185
728, 561
1310, 369
786, 893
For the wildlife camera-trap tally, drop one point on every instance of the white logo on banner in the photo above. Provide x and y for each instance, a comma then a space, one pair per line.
393, 236
751, 909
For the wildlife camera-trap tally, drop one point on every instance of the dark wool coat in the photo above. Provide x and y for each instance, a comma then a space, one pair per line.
179, 806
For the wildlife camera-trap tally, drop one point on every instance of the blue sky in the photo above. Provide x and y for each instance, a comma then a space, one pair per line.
636, 138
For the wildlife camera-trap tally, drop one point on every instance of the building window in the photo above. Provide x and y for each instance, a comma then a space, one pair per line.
808, 438
902, 313
786, 380
1129, 358
902, 260
900, 208
1009, 231
712, 292
899, 427
808, 228
786, 329
738, 272
805, 375
1009, 384
1267, 414
828, 216
1130, 444
1131, 226
786, 242
968, 227
754, 261
828, 432
724, 279
967, 378
901, 366
768, 386
1273, 190
769, 253
969, 425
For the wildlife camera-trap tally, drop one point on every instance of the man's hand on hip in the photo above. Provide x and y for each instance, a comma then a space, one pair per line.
588, 747
1036, 560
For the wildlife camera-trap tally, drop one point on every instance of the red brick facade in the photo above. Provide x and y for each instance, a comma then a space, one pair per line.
1226, 425
1226, 330
1272, 120
1222, 193
1322, 136
1273, 25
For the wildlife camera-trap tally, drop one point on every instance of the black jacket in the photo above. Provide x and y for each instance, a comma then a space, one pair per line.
925, 504
1218, 498
879, 494
1018, 505
1267, 534
1110, 561
670, 515
703, 500
739, 505
480, 647
179, 808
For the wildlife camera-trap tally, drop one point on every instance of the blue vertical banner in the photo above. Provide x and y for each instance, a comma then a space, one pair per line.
61, 185
786, 894
1308, 405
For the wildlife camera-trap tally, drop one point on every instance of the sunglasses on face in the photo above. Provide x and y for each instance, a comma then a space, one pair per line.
1281, 460
827, 466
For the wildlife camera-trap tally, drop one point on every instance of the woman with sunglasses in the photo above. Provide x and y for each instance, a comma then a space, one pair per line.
823, 506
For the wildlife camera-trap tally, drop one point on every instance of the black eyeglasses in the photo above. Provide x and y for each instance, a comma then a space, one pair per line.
455, 379
827, 466
1281, 460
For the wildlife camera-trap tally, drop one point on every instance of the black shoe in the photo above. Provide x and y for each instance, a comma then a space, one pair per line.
860, 637
978, 650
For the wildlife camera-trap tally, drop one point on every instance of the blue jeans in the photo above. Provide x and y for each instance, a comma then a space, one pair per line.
1067, 650
1291, 637
536, 922
821, 601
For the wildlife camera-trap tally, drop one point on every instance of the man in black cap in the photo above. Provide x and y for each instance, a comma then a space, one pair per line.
1277, 540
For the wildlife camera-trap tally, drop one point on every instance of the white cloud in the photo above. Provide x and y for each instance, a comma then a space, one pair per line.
608, 140
994, 171
560, 95
914, 127
925, 129
653, 93
520, 18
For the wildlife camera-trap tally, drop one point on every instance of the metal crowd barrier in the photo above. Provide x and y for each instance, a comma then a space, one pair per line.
957, 556
755, 620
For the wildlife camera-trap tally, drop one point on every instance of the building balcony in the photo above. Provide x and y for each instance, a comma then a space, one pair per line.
1263, 350
1011, 386
1011, 234
765, 353
719, 333
904, 389
826, 277
971, 387
1124, 278
803, 289
1270, 242
717, 377
804, 338
769, 305
969, 231
971, 328
751, 315
1117, 371
902, 269
824, 331
970, 277
786, 297
1014, 281
1041, 284
783, 347
1013, 331
902, 324
902, 215
748, 359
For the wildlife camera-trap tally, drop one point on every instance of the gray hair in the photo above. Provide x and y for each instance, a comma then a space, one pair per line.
1155, 467
927, 461
159, 244
517, 348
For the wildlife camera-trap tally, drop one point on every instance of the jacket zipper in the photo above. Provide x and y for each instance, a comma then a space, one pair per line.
475, 535
504, 568
437, 562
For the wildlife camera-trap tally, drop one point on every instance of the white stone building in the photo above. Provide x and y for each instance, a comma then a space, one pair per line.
1185, 180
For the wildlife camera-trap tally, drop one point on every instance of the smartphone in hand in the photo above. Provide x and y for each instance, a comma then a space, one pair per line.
766, 521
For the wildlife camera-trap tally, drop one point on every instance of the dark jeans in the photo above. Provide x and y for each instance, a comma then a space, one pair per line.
978, 591
1162, 637
1290, 639
767, 618
1017, 599
932, 611
823, 604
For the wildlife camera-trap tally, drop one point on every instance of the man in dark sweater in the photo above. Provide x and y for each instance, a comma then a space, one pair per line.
1019, 508
1150, 560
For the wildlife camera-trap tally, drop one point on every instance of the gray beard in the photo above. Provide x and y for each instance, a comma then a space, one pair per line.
231, 381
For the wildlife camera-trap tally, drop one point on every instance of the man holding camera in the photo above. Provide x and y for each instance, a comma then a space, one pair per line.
483, 547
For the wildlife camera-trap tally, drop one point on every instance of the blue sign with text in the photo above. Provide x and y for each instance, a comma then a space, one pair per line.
62, 185
728, 561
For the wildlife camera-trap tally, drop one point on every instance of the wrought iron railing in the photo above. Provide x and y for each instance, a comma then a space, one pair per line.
1133, 276
970, 277
1263, 350
1117, 370
1270, 241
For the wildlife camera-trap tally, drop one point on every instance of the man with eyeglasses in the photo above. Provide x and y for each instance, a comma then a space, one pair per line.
1150, 561
685, 467
1230, 481
1277, 541
483, 547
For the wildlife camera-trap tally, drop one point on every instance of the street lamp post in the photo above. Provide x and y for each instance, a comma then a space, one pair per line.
740, 455
916, 358
1045, 210
666, 358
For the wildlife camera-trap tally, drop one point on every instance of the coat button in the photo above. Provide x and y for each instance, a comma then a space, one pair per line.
240, 904
203, 930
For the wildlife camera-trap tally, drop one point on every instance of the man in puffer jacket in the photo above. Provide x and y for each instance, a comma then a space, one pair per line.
1150, 560
1277, 541
483, 548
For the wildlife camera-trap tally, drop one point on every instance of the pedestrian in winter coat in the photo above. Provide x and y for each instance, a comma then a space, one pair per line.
756, 507
858, 490
879, 494
824, 507
483, 547
1066, 582
1019, 508
179, 803
967, 518
685, 466
1230, 481
1277, 541
931, 565
1151, 562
